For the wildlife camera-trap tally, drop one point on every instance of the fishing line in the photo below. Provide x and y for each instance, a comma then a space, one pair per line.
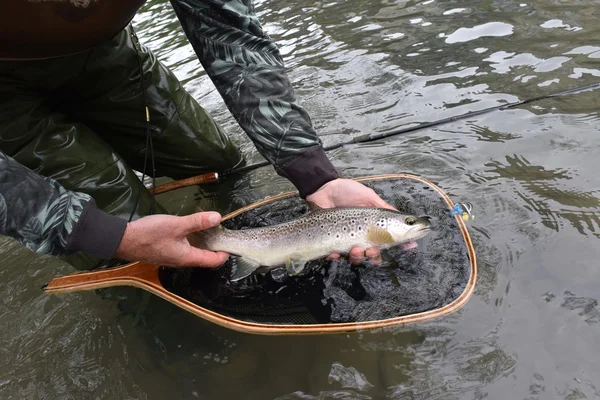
373, 137
149, 145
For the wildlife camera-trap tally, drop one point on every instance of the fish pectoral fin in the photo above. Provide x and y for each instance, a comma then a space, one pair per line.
294, 266
243, 268
379, 236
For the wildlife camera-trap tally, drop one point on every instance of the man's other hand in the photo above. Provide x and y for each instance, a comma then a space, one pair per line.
349, 193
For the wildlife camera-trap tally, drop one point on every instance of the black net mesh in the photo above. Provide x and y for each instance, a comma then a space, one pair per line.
409, 281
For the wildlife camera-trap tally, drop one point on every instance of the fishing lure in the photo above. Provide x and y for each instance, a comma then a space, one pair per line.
464, 210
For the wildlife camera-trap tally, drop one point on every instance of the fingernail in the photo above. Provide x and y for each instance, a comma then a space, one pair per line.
214, 218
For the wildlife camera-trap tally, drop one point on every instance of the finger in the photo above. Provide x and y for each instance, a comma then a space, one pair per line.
333, 256
357, 255
387, 205
374, 256
200, 221
409, 245
204, 258
377, 201
372, 252
384, 204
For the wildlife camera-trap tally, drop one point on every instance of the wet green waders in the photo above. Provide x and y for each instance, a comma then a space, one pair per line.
80, 119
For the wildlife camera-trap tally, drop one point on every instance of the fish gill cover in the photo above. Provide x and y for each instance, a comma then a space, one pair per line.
421, 279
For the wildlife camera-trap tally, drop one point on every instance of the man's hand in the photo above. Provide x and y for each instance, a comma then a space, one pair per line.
349, 193
162, 240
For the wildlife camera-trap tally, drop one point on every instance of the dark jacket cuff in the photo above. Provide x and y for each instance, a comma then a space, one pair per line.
97, 233
309, 171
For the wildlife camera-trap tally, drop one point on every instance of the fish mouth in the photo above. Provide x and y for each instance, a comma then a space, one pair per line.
425, 220
419, 231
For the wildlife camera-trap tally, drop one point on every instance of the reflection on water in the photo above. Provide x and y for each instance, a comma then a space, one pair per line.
530, 331
541, 194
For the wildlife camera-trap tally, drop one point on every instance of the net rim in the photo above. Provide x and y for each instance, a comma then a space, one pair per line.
145, 276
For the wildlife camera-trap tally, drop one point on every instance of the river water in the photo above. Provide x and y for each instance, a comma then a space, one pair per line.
532, 328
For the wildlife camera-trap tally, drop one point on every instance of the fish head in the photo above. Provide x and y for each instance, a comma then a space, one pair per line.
407, 228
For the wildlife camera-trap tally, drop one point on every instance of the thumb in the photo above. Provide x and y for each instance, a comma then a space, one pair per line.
379, 202
384, 204
200, 221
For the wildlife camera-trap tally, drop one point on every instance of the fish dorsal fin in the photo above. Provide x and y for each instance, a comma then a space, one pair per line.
243, 268
379, 236
313, 207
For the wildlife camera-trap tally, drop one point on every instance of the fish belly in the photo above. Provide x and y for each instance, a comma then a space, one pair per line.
299, 249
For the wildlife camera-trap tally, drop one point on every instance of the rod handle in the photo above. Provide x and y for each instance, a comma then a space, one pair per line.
208, 177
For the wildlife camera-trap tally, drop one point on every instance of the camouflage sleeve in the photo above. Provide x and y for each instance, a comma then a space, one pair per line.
247, 70
48, 219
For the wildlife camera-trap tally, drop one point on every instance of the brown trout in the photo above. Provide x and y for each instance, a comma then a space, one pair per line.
312, 236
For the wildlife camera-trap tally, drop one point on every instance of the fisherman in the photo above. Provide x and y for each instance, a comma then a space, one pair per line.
72, 127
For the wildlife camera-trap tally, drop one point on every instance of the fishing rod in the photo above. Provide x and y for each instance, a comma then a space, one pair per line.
210, 177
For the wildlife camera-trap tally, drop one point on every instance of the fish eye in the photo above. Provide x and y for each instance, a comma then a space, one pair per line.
410, 220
